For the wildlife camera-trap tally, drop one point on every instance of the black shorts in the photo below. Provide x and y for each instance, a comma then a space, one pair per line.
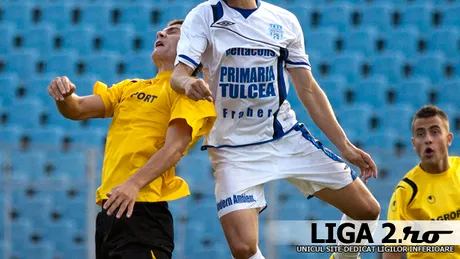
149, 230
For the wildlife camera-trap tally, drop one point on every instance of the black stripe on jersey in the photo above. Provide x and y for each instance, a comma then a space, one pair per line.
414, 188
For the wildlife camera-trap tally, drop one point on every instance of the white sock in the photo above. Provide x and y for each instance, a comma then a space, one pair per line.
372, 227
258, 255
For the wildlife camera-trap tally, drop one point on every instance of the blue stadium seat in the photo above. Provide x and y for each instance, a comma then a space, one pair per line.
378, 15
72, 164
9, 83
381, 142
349, 66
10, 136
26, 113
334, 88
450, 15
84, 84
322, 41
55, 118
58, 14
61, 234
452, 113
33, 168
62, 64
36, 87
84, 138
372, 91
336, 15
303, 14
22, 62
356, 117
6, 41
96, 15
41, 205
448, 90
404, 40
47, 138
100, 124
21, 231
398, 118
119, 38
446, 40
414, 92
137, 14
43, 250
104, 66
430, 65
389, 65
418, 15
177, 10
40, 38
361, 41
140, 66
79, 39
19, 13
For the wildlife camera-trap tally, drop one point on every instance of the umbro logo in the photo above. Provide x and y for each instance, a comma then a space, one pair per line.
225, 23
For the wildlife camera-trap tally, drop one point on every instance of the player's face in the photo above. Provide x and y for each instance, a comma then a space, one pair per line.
431, 139
166, 43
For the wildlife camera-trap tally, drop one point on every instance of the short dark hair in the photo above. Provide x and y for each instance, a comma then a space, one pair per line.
429, 111
174, 22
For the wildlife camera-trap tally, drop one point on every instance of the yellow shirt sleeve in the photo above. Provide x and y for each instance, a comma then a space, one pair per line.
110, 96
397, 209
199, 115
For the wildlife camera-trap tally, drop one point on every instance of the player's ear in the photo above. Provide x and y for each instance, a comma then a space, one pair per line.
412, 140
450, 137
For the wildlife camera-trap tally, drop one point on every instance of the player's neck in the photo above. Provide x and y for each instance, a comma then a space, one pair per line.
438, 168
163, 66
242, 4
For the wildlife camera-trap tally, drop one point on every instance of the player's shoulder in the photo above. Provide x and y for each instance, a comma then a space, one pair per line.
277, 9
129, 82
454, 161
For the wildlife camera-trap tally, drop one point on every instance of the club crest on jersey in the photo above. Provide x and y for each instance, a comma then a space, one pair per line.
276, 31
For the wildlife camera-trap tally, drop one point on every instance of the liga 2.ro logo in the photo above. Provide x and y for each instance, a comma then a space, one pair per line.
365, 232
362, 232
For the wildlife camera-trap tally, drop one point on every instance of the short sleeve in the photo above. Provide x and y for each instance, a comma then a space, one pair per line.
200, 116
297, 56
193, 39
110, 96
397, 209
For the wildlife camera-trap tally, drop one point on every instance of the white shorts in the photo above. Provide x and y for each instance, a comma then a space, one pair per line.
241, 173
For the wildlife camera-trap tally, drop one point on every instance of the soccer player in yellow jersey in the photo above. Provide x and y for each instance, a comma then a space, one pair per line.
152, 128
431, 190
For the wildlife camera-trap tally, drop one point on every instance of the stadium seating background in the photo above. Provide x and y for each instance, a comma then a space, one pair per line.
378, 61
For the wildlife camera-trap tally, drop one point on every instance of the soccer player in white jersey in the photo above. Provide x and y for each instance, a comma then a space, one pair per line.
248, 50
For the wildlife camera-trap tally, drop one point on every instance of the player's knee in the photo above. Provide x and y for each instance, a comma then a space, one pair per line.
370, 211
241, 250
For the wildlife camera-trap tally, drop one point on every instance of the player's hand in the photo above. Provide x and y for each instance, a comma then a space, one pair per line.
60, 88
122, 197
362, 160
197, 89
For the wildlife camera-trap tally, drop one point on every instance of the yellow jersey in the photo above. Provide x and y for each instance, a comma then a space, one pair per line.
141, 111
423, 196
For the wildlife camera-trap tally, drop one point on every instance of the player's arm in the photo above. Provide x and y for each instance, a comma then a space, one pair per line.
178, 137
183, 82
318, 106
72, 106
190, 48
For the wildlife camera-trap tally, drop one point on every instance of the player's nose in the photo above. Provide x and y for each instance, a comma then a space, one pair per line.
161, 34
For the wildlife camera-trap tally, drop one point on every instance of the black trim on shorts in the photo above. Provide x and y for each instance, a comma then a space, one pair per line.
150, 229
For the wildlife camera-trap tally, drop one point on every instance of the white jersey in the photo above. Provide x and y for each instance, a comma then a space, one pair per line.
245, 62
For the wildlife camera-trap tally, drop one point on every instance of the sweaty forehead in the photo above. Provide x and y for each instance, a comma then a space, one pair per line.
172, 27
